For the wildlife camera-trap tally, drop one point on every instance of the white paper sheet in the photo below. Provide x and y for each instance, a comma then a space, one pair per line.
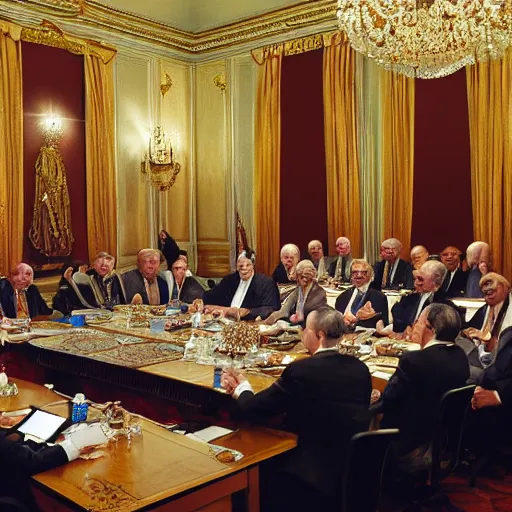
210, 433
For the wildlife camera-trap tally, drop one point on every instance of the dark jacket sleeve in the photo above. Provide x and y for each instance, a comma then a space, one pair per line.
397, 388
30, 459
270, 402
170, 249
401, 312
267, 297
498, 376
222, 294
332, 268
36, 304
191, 290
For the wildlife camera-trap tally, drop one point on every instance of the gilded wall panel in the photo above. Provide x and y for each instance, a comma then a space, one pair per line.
213, 259
176, 105
133, 121
211, 152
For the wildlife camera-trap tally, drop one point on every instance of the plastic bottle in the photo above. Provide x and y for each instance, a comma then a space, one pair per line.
79, 408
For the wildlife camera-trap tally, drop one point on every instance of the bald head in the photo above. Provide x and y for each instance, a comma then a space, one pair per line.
21, 276
419, 255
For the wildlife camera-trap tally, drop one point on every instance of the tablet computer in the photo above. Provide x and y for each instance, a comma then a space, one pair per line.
41, 426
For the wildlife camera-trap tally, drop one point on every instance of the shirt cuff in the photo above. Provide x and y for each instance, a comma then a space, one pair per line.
243, 386
71, 450
497, 395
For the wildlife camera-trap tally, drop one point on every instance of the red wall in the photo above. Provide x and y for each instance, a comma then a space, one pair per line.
303, 193
442, 212
53, 81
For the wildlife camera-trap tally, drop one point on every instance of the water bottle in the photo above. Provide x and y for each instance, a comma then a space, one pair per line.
79, 408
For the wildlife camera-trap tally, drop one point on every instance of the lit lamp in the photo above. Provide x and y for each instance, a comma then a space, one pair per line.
159, 165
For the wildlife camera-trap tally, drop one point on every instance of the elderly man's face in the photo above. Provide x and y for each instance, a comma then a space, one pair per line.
418, 257
288, 259
179, 269
450, 258
245, 268
342, 247
389, 253
304, 278
23, 277
493, 295
423, 281
150, 266
360, 275
309, 335
103, 266
316, 251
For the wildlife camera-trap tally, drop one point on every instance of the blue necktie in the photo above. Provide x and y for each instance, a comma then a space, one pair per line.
356, 305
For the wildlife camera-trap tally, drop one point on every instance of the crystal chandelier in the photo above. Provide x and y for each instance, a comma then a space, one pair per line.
427, 38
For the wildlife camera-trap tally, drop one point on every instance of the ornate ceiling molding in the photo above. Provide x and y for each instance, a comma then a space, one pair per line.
114, 22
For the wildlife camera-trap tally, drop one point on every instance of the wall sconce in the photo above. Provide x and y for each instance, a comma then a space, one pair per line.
159, 164
50, 232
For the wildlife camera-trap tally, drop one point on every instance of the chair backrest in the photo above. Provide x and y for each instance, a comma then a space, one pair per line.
12, 505
454, 407
362, 475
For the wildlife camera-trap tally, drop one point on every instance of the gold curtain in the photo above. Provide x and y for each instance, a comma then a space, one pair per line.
397, 100
268, 152
100, 157
341, 152
11, 144
489, 86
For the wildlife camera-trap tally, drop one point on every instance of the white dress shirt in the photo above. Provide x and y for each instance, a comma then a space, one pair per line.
424, 297
363, 289
241, 292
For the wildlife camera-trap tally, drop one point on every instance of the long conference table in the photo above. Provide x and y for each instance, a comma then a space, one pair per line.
158, 470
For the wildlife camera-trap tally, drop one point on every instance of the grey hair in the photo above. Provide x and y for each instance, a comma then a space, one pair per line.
331, 323
437, 270
290, 249
104, 255
315, 242
492, 279
365, 264
393, 243
445, 321
307, 267
474, 251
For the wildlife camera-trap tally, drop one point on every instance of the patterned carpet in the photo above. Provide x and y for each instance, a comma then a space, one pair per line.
489, 495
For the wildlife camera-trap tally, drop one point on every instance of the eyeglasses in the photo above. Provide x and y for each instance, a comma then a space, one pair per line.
359, 272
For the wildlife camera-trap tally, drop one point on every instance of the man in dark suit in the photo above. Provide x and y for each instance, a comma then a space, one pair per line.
22, 459
146, 280
410, 401
325, 399
360, 305
427, 281
20, 298
482, 332
392, 272
454, 284
491, 420
339, 269
245, 294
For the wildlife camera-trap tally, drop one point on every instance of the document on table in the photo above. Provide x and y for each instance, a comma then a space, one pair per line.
210, 433
86, 435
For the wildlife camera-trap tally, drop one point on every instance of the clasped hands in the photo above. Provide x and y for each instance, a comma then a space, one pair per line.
364, 313
226, 311
230, 379
484, 398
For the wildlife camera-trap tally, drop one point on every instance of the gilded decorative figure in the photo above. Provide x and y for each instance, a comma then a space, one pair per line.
51, 232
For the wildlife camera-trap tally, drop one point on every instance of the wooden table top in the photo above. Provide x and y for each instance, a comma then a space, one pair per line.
155, 466
29, 394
